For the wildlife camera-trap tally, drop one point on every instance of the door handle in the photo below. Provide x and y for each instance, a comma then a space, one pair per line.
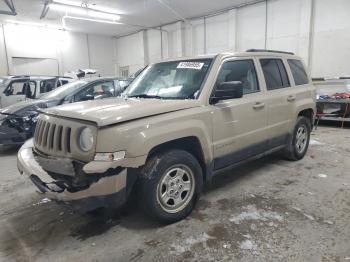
291, 98
258, 105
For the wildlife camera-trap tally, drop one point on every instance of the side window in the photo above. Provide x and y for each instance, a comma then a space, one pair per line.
298, 72
275, 73
26, 88
47, 85
240, 70
96, 91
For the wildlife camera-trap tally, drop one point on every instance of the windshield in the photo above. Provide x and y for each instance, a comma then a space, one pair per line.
65, 90
170, 80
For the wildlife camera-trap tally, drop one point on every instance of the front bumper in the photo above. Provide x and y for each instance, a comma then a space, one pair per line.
111, 187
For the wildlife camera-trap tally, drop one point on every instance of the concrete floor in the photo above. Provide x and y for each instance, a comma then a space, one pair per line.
268, 210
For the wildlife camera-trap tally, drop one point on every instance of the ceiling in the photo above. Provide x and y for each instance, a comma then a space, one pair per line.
136, 14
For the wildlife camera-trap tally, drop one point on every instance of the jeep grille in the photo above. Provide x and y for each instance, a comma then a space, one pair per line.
56, 136
52, 137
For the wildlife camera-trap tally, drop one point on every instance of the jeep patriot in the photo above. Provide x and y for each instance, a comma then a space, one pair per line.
178, 124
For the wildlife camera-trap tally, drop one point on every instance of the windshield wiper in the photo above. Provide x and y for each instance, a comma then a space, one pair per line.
146, 96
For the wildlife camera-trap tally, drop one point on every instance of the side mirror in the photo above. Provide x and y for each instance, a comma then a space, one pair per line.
227, 90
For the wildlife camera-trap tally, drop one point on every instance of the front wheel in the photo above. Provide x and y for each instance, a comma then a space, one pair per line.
299, 141
169, 185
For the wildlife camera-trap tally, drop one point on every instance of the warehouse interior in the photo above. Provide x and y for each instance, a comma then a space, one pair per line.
267, 209
315, 30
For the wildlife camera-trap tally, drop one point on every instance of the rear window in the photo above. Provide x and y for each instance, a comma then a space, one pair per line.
275, 73
298, 72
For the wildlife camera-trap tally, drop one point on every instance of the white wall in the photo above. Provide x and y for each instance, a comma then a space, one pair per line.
251, 27
131, 52
3, 59
71, 51
321, 40
331, 45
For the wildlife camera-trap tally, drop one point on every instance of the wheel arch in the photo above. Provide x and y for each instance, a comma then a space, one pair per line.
190, 144
309, 114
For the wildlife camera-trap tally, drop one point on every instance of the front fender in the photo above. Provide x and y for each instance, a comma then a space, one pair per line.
138, 137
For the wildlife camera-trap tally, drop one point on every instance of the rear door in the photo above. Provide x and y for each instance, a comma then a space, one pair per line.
280, 99
239, 124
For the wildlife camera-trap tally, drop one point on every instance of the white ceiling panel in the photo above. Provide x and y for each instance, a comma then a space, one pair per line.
136, 14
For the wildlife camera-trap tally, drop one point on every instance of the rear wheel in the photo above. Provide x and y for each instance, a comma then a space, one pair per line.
169, 186
299, 141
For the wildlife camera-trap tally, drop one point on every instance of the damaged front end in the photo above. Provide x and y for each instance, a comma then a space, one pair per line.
64, 180
16, 129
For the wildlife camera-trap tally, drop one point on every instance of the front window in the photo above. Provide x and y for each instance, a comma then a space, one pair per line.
98, 90
170, 80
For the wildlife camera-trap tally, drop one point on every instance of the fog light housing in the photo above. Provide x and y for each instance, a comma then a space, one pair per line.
110, 156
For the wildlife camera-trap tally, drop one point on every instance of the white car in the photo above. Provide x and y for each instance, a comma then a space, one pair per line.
20, 88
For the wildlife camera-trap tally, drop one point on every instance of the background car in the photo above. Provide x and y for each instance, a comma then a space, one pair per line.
17, 122
20, 88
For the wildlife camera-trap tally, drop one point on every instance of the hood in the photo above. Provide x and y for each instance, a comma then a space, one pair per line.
29, 105
116, 110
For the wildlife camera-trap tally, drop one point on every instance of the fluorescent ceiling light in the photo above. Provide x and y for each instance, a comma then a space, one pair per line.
57, 27
79, 9
92, 20
68, 9
67, 2
98, 14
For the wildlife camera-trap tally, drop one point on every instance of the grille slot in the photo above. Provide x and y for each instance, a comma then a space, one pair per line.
69, 131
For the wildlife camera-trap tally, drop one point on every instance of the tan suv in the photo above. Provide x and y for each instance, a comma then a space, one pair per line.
176, 126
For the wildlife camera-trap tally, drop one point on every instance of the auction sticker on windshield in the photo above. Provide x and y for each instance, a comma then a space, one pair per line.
190, 65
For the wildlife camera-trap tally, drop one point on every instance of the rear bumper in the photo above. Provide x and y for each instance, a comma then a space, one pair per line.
111, 188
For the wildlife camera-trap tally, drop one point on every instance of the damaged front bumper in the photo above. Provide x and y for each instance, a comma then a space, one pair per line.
98, 189
11, 136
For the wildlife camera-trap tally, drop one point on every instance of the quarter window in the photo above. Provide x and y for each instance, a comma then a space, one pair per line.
275, 73
240, 70
298, 72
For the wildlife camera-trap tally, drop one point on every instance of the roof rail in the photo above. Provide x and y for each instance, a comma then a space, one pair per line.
269, 51
19, 76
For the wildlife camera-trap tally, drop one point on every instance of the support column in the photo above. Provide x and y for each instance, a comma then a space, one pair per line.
232, 30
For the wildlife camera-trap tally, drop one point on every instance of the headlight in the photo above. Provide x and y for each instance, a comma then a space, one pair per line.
86, 139
110, 156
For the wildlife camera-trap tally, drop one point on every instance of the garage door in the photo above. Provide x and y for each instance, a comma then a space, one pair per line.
34, 66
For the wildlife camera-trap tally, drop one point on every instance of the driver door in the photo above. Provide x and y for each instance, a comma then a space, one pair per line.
239, 124
18, 91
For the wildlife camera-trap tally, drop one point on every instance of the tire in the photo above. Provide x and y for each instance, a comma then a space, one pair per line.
170, 185
297, 148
